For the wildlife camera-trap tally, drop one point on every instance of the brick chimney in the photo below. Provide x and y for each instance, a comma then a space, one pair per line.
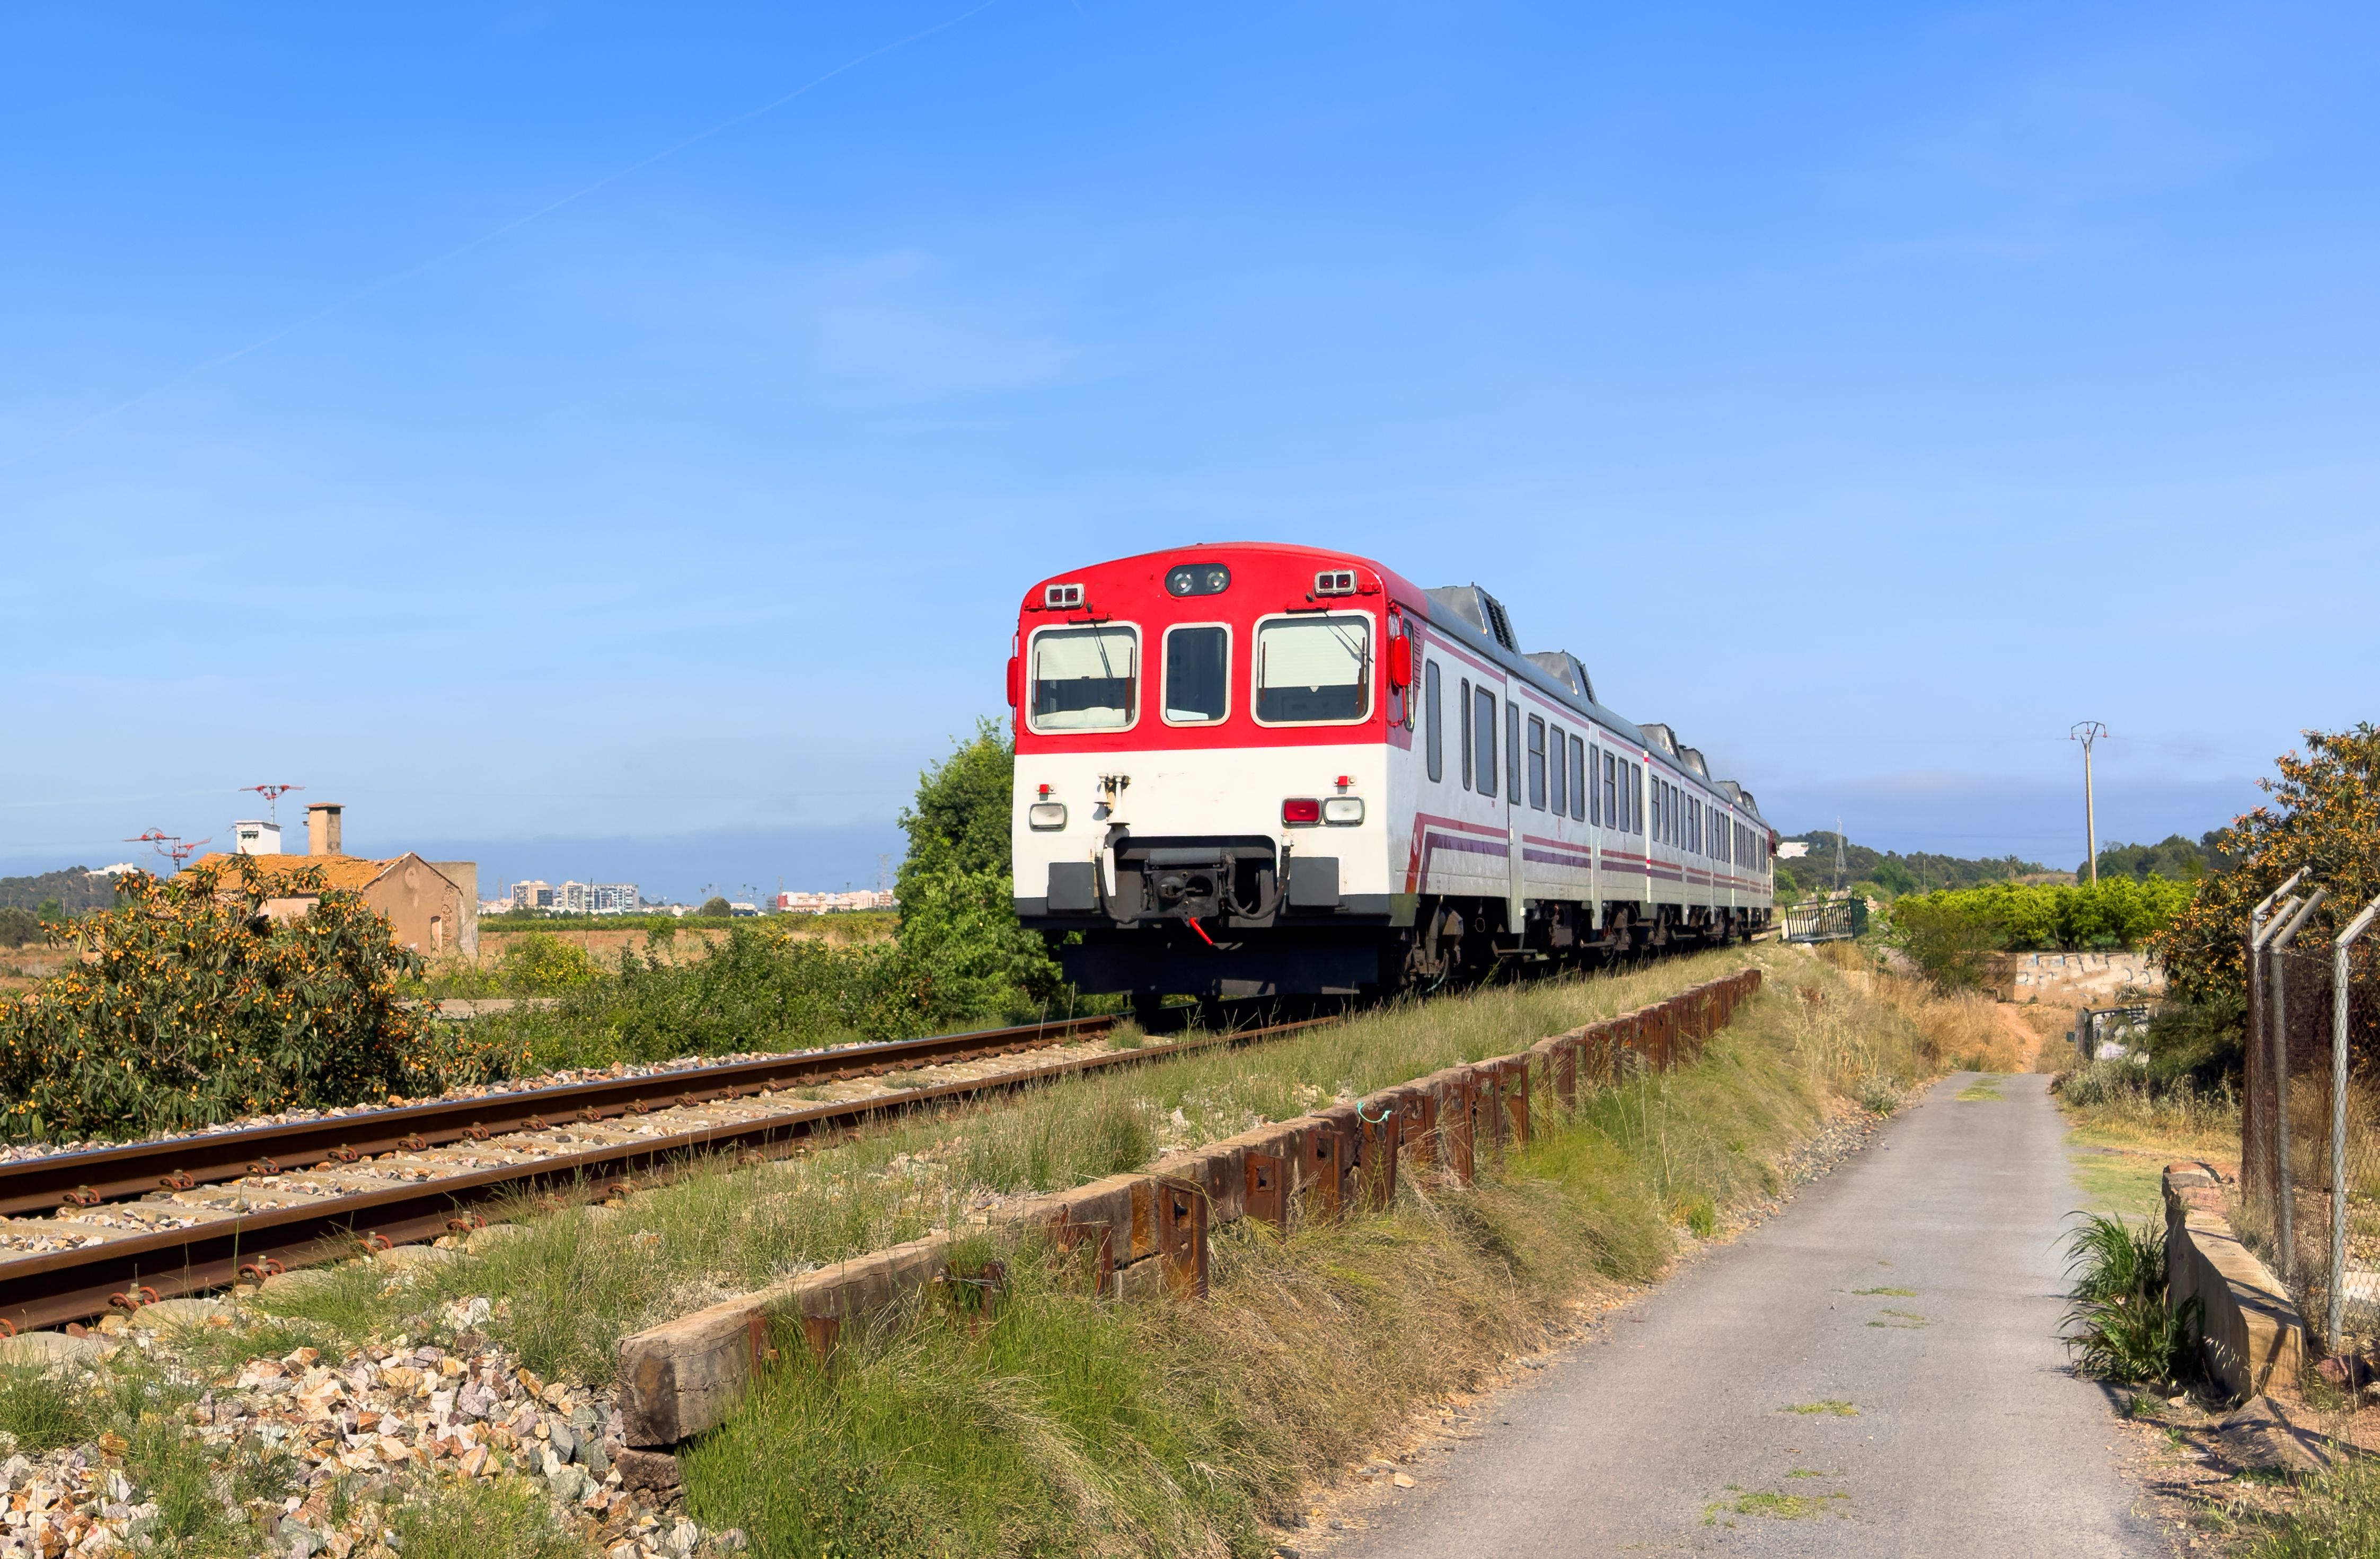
322, 828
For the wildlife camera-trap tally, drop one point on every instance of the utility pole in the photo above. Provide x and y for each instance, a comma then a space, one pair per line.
1839, 852
2086, 732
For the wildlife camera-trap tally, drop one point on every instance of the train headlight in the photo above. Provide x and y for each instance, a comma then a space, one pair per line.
1047, 814
1344, 809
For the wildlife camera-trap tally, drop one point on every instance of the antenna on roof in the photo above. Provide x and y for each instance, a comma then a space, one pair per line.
168, 845
272, 794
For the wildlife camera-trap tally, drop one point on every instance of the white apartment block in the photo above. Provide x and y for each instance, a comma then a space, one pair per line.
576, 898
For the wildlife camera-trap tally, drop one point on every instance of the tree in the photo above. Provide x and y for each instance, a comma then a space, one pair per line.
959, 936
2324, 818
2175, 859
18, 926
717, 904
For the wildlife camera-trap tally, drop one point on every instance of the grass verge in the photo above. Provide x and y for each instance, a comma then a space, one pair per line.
564, 1287
1065, 1424
2124, 1127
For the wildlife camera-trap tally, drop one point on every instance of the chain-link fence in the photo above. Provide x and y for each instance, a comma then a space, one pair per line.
2310, 1122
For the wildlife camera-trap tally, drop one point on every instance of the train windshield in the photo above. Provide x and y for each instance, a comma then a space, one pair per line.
1314, 668
1083, 678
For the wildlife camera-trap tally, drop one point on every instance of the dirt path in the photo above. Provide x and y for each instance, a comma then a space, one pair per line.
1877, 1372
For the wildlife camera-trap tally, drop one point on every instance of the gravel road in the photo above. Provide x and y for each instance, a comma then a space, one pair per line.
1909, 1304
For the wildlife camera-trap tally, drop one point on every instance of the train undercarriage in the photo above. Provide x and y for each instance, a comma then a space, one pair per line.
1438, 942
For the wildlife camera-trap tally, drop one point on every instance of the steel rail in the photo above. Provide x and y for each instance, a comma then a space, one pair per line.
63, 1286
96, 1175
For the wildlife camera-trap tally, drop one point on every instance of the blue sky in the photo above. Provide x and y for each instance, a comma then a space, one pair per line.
608, 441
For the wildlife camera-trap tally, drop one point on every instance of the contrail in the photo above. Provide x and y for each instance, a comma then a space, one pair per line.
490, 237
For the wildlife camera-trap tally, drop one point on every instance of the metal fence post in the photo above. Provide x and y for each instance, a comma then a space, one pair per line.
2260, 1045
2339, 1118
2286, 1189
2256, 1123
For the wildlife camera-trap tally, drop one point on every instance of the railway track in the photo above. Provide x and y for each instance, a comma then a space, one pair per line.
124, 1226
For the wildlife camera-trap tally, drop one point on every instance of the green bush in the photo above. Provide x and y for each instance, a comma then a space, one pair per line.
1950, 932
2124, 1330
196, 1007
542, 964
959, 937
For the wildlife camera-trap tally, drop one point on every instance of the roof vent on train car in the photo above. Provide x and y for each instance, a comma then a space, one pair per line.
1482, 611
1731, 790
1565, 668
1692, 759
1744, 797
1661, 736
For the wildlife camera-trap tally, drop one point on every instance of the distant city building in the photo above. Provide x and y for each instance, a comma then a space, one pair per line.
829, 903
576, 898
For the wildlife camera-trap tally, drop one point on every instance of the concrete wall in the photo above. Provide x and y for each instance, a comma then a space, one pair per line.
2255, 1340
412, 893
464, 876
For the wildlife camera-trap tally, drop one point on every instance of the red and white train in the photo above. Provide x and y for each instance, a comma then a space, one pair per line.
1254, 769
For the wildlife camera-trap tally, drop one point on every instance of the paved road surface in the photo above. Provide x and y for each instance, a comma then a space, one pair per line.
1970, 1438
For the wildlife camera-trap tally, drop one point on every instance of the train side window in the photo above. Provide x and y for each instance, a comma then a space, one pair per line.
1536, 763
1557, 774
1636, 799
1483, 736
1610, 816
1435, 742
1083, 678
1466, 734
1595, 785
1513, 752
1579, 770
1198, 675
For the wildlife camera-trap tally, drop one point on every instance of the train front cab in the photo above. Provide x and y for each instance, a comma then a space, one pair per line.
1207, 759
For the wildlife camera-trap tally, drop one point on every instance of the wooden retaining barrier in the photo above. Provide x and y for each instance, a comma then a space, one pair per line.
1146, 1233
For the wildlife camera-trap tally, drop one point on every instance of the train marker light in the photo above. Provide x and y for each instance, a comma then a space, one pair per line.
1400, 662
1344, 809
1013, 668
1047, 814
1301, 809
1061, 597
1043, 792
1335, 582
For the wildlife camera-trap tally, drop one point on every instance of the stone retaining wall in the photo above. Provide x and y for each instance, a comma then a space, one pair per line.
1146, 1233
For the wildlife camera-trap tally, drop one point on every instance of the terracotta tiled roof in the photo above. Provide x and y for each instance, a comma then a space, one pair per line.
354, 872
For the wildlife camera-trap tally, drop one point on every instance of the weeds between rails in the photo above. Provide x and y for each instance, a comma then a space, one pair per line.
1069, 1425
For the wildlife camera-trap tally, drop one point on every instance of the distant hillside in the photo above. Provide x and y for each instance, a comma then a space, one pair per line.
1895, 873
76, 889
